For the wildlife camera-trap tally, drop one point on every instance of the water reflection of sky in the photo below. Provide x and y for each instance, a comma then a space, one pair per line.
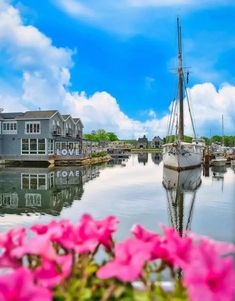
131, 190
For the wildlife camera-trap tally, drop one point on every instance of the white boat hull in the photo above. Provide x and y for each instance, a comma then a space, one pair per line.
182, 157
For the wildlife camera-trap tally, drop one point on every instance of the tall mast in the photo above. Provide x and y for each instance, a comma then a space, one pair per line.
180, 85
222, 130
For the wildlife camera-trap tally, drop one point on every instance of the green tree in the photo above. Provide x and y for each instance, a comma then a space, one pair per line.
101, 135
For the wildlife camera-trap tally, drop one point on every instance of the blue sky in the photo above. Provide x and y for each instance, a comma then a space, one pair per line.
111, 62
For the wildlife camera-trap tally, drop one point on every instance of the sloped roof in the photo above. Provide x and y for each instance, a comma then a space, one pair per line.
76, 120
38, 114
11, 115
65, 117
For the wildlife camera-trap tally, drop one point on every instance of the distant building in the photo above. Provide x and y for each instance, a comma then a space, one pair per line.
142, 142
157, 142
37, 135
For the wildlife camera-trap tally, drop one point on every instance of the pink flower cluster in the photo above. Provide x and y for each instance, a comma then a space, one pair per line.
25, 282
208, 276
37, 265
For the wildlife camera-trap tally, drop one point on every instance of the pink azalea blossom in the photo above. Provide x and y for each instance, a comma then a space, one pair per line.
130, 257
52, 273
19, 286
208, 276
8, 242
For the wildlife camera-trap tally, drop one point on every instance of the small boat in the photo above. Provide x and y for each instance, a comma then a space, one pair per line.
219, 159
180, 155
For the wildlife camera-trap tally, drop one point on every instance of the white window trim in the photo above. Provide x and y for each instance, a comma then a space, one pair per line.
32, 122
10, 132
38, 176
37, 153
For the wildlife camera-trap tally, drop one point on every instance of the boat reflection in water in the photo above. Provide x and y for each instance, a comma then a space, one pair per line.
218, 174
41, 190
181, 188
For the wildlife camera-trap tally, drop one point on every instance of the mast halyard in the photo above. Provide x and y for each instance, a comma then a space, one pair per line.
180, 84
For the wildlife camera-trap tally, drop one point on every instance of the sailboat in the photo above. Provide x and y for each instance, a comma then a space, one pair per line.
180, 155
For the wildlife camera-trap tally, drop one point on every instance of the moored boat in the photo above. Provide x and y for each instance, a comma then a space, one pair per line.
180, 155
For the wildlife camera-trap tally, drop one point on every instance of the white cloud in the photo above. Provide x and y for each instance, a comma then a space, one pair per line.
44, 68
209, 105
75, 8
101, 110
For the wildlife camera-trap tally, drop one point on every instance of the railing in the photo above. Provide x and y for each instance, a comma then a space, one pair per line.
56, 131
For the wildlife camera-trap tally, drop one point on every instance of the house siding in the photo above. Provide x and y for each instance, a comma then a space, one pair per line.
10, 144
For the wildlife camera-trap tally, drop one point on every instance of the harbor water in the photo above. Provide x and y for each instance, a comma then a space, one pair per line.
135, 190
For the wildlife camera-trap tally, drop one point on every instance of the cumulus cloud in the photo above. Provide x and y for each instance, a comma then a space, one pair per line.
101, 110
43, 81
43, 68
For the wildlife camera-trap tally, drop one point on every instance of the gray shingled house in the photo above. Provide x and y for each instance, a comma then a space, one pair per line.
157, 142
142, 142
37, 135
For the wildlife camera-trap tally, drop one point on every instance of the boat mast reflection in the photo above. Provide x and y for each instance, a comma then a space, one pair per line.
181, 187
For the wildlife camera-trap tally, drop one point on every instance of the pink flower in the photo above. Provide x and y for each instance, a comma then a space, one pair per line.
209, 277
52, 273
39, 245
61, 232
19, 286
172, 248
130, 257
150, 239
176, 250
221, 247
83, 237
89, 233
8, 242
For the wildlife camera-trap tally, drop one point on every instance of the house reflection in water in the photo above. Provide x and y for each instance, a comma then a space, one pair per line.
156, 158
143, 158
29, 190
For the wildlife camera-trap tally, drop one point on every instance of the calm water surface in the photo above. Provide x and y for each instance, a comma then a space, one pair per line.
137, 190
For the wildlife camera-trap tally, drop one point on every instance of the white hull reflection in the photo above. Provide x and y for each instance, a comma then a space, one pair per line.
186, 180
181, 188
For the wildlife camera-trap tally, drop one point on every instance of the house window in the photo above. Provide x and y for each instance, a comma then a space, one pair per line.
33, 200
50, 150
33, 127
33, 146
9, 127
34, 181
